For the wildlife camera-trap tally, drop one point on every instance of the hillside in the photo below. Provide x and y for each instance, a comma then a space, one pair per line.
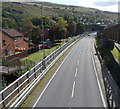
19, 11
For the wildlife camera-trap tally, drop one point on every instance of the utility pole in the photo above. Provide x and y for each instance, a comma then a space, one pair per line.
42, 32
43, 62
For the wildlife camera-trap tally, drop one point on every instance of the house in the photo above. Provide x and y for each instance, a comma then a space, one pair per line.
12, 41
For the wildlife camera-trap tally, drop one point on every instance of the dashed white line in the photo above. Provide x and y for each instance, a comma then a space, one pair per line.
76, 72
73, 89
78, 63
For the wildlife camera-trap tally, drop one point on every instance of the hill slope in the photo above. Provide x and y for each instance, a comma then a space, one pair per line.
18, 11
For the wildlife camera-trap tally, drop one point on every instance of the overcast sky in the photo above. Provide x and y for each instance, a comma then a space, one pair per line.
105, 5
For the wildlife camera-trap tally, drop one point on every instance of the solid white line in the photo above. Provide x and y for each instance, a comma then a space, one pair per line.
78, 63
73, 89
50, 81
76, 72
100, 89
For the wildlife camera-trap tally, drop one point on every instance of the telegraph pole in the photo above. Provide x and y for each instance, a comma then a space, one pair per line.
43, 62
42, 32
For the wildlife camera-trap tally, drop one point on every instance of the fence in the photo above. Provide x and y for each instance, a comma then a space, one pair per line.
14, 90
117, 46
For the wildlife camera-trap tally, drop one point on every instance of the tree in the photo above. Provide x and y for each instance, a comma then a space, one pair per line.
8, 23
36, 34
46, 22
54, 33
79, 28
37, 21
71, 26
62, 24
23, 24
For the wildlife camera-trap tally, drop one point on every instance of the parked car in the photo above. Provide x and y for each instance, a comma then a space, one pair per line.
44, 46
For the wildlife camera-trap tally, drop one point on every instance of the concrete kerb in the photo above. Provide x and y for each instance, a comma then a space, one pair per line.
31, 87
109, 86
99, 72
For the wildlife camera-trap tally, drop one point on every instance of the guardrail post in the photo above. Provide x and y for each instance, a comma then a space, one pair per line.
28, 78
43, 64
34, 69
18, 88
3, 100
40, 68
35, 75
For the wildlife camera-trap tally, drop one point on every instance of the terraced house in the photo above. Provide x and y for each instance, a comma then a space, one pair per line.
12, 41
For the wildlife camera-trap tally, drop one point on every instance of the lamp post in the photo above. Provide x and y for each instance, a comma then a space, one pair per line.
43, 62
42, 33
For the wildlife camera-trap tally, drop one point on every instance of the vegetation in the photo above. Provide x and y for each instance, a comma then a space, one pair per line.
116, 53
109, 60
27, 63
39, 55
35, 19
20, 14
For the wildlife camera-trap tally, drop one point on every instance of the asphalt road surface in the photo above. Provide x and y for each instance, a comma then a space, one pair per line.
74, 84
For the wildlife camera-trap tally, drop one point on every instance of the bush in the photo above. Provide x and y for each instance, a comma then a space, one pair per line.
108, 59
109, 44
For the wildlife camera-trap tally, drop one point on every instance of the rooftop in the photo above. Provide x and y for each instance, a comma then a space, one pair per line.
12, 32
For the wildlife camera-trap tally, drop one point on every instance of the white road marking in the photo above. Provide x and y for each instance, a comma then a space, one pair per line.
78, 63
100, 89
76, 72
50, 81
73, 89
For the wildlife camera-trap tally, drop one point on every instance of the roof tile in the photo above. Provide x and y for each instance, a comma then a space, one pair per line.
12, 32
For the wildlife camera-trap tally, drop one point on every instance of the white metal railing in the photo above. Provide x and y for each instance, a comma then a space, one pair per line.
15, 89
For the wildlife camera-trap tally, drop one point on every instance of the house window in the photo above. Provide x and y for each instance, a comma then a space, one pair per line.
6, 52
16, 46
21, 37
4, 43
10, 52
16, 39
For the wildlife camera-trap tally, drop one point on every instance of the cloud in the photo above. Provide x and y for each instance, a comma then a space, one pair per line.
113, 8
105, 3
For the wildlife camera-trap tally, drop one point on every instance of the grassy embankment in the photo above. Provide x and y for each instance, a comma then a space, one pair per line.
39, 55
116, 54
109, 59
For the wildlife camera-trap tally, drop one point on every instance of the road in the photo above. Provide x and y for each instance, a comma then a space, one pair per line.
74, 84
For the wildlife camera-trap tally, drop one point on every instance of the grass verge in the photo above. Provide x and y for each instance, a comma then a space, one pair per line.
44, 80
116, 53
39, 55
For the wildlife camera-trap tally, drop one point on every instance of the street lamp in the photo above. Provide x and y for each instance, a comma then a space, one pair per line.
43, 62
42, 33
